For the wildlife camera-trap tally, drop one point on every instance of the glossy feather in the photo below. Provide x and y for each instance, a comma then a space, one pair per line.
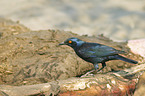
95, 53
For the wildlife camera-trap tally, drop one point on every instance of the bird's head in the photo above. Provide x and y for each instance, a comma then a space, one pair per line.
72, 42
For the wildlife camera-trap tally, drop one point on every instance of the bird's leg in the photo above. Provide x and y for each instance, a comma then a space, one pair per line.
103, 65
88, 73
96, 66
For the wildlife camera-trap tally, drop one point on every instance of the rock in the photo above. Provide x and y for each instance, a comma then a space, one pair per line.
140, 88
137, 46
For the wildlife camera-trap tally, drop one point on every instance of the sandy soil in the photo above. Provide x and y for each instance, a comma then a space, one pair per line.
119, 19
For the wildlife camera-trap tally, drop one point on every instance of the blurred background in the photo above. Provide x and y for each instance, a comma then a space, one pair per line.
119, 20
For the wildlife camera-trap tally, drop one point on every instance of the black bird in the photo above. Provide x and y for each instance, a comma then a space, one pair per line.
95, 53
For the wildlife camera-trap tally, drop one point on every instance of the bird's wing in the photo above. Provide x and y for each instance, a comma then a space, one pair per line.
97, 50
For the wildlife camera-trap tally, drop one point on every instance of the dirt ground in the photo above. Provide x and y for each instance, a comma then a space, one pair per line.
32, 57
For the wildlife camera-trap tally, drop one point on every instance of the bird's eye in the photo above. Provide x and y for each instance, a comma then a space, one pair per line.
70, 41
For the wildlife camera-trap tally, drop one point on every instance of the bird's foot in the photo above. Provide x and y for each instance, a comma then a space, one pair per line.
88, 74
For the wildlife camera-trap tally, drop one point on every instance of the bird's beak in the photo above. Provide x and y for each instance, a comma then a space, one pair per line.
62, 43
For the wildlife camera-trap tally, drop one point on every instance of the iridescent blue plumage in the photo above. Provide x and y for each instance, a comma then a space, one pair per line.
95, 53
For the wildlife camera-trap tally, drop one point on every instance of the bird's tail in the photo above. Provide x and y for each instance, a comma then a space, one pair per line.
126, 59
